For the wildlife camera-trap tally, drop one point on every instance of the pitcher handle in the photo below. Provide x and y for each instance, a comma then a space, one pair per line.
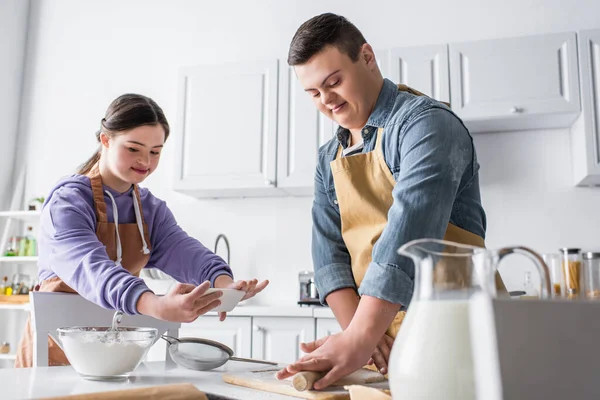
537, 260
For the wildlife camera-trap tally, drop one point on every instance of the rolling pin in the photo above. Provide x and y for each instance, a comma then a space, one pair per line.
306, 379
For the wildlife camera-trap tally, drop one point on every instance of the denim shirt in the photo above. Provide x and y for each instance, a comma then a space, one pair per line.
431, 155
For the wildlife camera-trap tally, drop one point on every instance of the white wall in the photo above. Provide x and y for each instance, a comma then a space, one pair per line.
83, 54
13, 20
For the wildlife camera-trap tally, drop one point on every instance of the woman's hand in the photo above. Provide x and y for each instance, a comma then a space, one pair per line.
251, 287
183, 303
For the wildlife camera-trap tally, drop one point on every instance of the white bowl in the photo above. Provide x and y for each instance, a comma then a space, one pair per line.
229, 300
99, 354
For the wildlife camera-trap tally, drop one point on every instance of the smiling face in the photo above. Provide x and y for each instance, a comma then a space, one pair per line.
131, 156
343, 90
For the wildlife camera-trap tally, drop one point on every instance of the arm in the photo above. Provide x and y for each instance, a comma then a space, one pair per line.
75, 255
333, 273
436, 151
181, 256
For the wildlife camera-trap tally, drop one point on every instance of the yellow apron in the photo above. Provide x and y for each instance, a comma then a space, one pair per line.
363, 185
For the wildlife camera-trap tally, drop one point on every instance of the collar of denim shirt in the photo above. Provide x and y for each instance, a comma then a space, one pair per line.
379, 116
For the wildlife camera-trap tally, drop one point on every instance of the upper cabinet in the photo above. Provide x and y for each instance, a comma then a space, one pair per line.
585, 133
302, 130
227, 133
518, 83
424, 68
249, 129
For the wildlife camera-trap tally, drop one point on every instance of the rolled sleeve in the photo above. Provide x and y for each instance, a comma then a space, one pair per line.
387, 282
332, 277
435, 152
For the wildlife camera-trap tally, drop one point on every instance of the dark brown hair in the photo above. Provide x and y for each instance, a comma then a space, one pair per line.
321, 31
126, 112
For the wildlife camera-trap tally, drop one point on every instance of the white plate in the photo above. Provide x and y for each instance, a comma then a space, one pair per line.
229, 300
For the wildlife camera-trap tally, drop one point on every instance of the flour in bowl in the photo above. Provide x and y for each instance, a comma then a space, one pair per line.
104, 354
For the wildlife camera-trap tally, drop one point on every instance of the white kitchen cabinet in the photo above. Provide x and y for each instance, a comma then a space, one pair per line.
327, 326
424, 68
227, 130
278, 338
517, 83
585, 133
234, 332
302, 130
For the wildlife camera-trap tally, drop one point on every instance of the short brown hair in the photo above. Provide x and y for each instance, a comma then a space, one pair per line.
321, 31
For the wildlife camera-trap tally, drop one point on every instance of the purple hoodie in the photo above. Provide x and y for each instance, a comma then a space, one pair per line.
69, 248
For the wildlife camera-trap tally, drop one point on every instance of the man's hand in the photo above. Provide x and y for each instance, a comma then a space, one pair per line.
381, 354
332, 354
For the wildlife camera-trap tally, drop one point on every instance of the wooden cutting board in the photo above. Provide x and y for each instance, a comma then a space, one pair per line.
265, 380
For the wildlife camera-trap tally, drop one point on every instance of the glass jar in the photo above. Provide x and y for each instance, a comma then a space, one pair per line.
571, 267
5, 348
591, 274
554, 263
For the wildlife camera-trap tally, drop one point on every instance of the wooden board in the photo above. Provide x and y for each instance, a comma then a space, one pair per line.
265, 380
14, 299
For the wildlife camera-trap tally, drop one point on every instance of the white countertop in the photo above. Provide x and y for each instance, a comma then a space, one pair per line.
280, 311
31, 383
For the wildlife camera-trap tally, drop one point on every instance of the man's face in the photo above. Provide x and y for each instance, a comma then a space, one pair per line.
340, 88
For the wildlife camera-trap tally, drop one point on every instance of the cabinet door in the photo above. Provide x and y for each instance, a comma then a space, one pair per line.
383, 61
278, 338
234, 332
508, 79
327, 327
227, 126
424, 68
302, 130
585, 135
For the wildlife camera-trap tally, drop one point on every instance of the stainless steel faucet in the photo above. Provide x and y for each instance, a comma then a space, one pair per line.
219, 237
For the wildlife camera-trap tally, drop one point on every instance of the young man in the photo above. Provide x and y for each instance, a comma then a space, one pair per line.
401, 167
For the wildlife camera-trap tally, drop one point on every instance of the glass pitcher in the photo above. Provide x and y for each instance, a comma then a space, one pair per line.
431, 357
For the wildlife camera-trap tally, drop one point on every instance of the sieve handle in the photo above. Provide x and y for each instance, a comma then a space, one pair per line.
252, 360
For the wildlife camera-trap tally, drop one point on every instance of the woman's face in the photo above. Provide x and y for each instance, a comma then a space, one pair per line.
131, 156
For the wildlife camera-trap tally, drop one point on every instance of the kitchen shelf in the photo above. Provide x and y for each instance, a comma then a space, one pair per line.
26, 216
8, 356
19, 260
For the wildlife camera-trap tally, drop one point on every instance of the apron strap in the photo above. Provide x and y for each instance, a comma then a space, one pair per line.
98, 194
378, 144
139, 218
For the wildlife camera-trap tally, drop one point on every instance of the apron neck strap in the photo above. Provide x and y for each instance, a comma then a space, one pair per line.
378, 140
98, 194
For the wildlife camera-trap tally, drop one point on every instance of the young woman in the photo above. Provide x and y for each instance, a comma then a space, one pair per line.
99, 229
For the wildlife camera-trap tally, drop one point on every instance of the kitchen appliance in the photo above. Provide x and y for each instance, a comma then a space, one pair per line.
432, 354
309, 295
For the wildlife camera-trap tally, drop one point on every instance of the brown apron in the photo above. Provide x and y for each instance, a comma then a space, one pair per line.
126, 247
363, 185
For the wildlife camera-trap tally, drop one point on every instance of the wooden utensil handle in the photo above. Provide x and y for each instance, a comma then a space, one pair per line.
305, 380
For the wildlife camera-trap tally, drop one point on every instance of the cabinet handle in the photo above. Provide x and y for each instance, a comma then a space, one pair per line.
516, 110
269, 182
258, 328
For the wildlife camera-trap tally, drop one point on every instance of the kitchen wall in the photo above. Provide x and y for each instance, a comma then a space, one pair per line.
83, 54
13, 20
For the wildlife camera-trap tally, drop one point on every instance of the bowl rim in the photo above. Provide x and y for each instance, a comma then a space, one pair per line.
87, 329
